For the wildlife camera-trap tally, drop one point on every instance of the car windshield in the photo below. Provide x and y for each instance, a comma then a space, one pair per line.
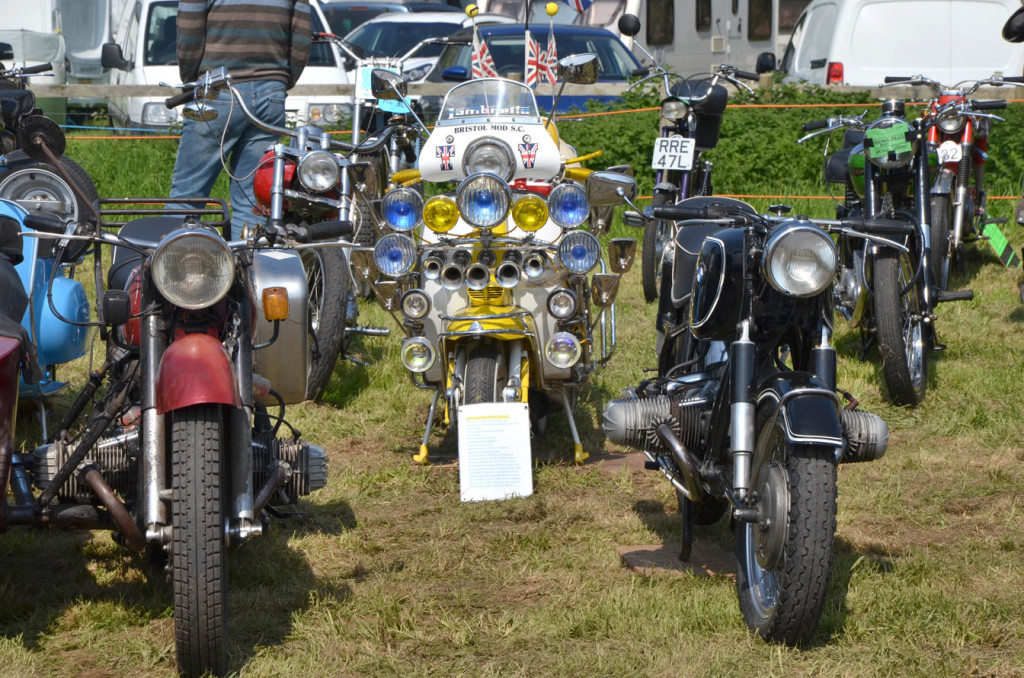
614, 60
344, 18
395, 38
489, 98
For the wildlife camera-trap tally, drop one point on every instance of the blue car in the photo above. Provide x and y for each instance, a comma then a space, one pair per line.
506, 43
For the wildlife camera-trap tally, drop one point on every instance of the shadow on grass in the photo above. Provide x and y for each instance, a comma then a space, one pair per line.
350, 378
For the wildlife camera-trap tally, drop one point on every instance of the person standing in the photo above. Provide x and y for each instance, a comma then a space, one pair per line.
264, 45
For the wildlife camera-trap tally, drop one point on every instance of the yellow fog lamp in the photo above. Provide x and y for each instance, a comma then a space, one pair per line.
417, 354
530, 212
440, 214
275, 303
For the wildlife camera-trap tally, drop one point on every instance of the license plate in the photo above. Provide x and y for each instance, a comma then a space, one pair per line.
673, 153
950, 151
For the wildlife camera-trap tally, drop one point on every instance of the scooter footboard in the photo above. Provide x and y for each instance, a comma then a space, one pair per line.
194, 370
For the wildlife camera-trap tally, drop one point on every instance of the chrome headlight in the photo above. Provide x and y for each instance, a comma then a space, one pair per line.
563, 350
193, 268
568, 205
674, 109
394, 254
484, 200
562, 304
491, 156
330, 113
402, 208
800, 259
890, 143
417, 354
415, 304
579, 251
951, 123
159, 115
318, 171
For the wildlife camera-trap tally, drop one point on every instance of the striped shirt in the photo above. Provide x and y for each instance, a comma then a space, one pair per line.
253, 39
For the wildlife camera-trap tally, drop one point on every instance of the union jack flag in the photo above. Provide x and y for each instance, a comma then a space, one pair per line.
549, 57
446, 153
579, 5
534, 61
528, 152
483, 63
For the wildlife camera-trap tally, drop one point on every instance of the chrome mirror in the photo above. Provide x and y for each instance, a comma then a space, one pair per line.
603, 188
604, 288
621, 252
362, 263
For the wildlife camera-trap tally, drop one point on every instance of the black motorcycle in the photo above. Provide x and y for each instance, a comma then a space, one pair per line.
744, 414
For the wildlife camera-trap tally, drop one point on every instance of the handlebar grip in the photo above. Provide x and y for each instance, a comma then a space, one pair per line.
179, 99
46, 222
747, 75
881, 226
895, 78
817, 124
40, 68
643, 71
683, 212
1014, 78
325, 230
992, 105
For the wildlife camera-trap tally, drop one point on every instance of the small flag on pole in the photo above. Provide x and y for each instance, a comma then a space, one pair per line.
483, 63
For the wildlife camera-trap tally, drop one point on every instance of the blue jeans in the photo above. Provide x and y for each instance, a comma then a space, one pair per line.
198, 163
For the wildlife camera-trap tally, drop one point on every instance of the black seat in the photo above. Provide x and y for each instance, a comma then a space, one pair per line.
17, 103
147, 232
10, 239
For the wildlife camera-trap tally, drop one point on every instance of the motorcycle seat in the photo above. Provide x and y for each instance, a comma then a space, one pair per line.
10, 239
836, 165
146, 231
690, 89
16, 103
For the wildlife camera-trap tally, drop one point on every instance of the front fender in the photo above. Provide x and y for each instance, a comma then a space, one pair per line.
195, 369
807, 408
943, 182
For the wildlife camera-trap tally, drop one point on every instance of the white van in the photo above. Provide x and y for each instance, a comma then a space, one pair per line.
146, 34
860, 42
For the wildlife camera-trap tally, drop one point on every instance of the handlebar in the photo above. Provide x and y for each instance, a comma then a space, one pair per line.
746, 75
817, 124
179, 99
994, 105
40, 68
326, 230
682, 212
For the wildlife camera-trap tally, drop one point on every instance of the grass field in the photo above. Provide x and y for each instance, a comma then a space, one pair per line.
386, 573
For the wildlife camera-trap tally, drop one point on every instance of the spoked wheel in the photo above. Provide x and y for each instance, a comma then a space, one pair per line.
484, 371
785, 559
900, 327
327, 279
941, 224
657, 239
198, 550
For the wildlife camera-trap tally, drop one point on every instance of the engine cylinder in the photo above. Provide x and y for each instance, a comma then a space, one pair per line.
866, 435
116, 458
307, 461
628, 420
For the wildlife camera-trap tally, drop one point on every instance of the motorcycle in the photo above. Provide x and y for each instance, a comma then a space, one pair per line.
744, 415
885, 286
958, 131
691, 116
37, 184
495, 289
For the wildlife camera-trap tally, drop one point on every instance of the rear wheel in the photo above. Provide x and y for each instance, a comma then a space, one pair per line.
657, 237
327, 279
785, 559
198, 550
900, 327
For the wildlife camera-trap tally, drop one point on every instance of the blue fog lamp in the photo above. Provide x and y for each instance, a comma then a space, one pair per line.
568, 205
394, 254
579, 252
402, 209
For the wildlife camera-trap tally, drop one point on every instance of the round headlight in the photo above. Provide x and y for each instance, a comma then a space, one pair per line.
562, 304
402, 208
951, 123
318, 171
484, 200
530, 212
489, 155
568, 205
579, 251
394, 254
193, 268
563, 350
417, 354
674, 109
890, 143
440, 214
415, 304
800, 259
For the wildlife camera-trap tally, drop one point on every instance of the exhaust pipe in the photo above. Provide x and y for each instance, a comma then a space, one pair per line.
533, 265
451, 277
477, 277
432, 268
507, 274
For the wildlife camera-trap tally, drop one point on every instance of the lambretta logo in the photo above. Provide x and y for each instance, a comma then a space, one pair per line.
488, 110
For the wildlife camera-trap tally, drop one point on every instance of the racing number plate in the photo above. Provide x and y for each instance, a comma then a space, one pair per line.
673, 153
950, 151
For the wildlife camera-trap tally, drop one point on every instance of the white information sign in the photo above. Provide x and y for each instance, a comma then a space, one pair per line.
494, 451
673, 153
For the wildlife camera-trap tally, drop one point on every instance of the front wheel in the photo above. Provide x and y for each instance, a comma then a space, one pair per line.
483, 375
785, 559
899, 322
941, 254
198, 551
327, 279
657, 237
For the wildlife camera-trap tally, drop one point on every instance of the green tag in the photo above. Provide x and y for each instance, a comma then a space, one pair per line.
1001, 245
884, 141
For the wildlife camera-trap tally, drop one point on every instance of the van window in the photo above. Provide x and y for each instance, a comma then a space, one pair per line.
131, 35
703, 15
320, 53
813, 50
162, 34
661, 22
759, 20
789, 12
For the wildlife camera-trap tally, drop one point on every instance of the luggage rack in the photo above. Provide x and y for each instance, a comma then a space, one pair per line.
210, 211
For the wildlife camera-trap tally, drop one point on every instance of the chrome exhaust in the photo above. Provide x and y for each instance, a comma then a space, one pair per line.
507, 274
533, 265
477, 276
432, 266
451, 277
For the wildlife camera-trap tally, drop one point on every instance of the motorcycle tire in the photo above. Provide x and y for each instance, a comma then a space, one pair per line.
483, 375
198, 553
653, 253
900, 330
941, 224
327, 280
782, 594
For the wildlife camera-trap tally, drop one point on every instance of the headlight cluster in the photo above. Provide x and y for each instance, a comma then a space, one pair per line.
193, 268
800, 259
402, 209
318, 171
568, 205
